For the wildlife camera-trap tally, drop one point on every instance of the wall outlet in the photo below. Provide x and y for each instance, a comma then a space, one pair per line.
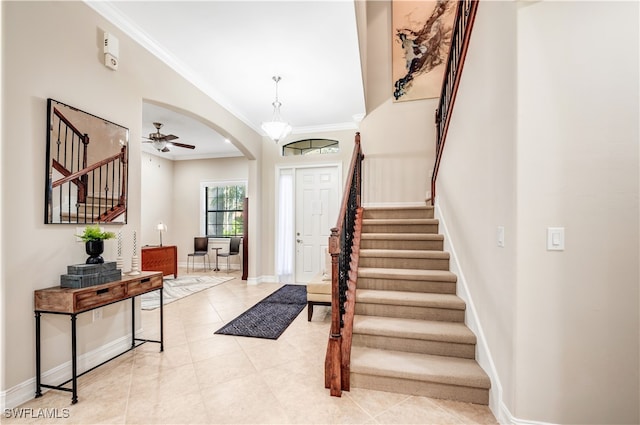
97, 314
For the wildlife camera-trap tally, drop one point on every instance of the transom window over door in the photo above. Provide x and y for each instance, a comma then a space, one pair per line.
223, 210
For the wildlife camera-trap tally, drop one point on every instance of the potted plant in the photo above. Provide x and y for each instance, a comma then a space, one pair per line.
93, 239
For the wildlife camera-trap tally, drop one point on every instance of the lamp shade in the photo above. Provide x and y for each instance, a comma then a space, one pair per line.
159, 144
276, 130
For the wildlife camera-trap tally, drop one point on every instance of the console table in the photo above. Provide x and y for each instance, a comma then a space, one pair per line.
74, 301
161, 258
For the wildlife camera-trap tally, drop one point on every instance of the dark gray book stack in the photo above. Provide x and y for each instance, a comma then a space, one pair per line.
83, 275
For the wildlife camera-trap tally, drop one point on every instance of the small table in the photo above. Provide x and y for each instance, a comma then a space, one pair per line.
216, 249
72, 302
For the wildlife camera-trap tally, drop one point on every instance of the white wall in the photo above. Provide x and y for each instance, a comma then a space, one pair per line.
156, 202
186, 201
476, 185
545, 133
577, 330
171, 194
55, 51
398, 139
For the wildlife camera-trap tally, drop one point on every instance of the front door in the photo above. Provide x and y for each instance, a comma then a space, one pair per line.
317, 205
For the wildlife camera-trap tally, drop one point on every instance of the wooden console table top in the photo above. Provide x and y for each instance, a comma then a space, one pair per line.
76, 300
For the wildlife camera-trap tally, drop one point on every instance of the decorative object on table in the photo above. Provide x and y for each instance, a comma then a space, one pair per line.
135, 260
270, 317
175, 289
119, 261
87, 169
421, 32
161, 228
93, 238
84, 275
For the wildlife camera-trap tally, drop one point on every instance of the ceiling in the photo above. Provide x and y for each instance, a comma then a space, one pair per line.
232, 49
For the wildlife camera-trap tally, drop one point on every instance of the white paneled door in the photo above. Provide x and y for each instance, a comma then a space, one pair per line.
317, 205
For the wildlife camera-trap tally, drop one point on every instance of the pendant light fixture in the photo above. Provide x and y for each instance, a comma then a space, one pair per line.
277, 128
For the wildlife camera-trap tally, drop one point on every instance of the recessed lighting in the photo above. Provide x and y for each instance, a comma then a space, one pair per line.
227, 140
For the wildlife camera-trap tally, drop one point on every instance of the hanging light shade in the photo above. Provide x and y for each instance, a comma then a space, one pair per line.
277, 128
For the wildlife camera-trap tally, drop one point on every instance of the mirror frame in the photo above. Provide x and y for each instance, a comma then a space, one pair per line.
86, 168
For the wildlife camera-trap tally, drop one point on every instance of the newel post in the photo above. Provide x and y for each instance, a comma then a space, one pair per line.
332, 377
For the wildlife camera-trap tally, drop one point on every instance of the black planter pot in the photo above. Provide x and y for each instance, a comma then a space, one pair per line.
94, 249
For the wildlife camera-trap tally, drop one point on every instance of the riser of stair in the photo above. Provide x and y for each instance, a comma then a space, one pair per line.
404, 259
434, 281
409, 212
427, 225
419, 374
410, 305
415, 336
410, 312
75, 218
93, 208
417, 241
435, 348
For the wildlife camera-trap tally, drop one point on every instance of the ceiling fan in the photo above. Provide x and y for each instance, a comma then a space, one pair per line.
160, 141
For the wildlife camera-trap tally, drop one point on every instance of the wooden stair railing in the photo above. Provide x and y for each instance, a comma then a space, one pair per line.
462, 27
344, 246
100, 187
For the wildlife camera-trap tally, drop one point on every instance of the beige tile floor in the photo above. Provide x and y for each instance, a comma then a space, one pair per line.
202, 378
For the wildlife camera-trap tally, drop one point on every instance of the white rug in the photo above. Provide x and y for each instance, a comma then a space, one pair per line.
174, 289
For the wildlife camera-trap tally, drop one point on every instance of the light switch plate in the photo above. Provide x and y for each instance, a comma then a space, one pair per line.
555, 238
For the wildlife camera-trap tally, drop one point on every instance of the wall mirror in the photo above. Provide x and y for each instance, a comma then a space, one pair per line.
86, 169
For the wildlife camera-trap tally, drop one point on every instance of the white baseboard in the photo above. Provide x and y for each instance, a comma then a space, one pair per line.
26, 390
262, 279
483, 353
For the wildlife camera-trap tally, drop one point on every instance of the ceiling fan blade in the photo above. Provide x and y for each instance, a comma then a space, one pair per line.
182, 145
169, 137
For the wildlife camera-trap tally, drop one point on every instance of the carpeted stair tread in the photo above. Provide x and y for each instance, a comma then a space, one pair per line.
415, 299
418, 367
407, 274
404, 236
413, 329
378, 221
404, 253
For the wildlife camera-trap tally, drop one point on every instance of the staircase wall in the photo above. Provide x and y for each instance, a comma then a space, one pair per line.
553, 144
398, 139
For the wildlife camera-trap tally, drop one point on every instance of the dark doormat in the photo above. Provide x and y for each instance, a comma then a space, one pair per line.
270, 317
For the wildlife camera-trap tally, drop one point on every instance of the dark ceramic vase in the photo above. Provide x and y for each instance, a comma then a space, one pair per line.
94, 249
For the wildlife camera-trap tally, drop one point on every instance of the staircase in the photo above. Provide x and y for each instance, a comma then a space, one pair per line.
96, 208
409, 334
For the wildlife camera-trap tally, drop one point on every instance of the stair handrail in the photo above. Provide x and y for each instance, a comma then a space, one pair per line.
341, 243
462, 27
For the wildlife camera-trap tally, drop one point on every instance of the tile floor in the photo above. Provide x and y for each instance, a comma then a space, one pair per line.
202, 378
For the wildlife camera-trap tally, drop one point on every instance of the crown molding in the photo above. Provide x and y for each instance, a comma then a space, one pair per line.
325, 128
113, 15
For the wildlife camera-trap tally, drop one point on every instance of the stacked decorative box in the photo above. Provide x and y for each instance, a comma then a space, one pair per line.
83, 275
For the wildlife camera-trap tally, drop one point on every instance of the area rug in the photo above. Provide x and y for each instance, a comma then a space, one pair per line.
174, 289
270, 317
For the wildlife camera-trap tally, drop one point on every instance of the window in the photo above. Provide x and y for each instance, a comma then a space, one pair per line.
223, 210
311, 147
